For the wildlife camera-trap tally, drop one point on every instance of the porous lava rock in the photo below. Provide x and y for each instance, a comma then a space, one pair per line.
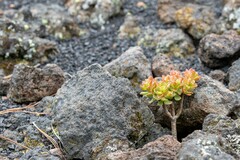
216, 51
228, 128
197, 17
229, 17
174, 42
165, 147
32, 84
30, 48
200, 145
96, 113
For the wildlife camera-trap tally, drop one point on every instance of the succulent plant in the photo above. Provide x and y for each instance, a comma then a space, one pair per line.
171, 88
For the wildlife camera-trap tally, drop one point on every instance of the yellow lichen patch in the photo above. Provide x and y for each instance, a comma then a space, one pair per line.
129, 32
147, 41
200, 27
8, 64
184, 17
32, 142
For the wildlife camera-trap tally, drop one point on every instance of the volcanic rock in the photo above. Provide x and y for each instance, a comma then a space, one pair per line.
219, 50
96, 114
32, 84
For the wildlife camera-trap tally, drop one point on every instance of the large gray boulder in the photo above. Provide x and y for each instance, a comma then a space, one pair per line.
132, 64
234, 76
200, 145
211, 96
216, 51
32, 84
96, 113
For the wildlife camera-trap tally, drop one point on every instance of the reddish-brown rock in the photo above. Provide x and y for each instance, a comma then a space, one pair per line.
32, 84
165, 147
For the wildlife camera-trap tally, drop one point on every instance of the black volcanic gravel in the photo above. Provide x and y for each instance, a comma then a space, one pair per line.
102, 46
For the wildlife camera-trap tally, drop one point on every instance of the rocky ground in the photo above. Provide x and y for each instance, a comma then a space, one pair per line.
70, 73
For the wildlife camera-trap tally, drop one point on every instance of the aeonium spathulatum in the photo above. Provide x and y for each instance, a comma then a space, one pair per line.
171, 88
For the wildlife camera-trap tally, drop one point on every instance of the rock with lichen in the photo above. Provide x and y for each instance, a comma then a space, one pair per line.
167, 9
197, 16
200, 145
56, 20
228, 128
31, 48
45, 19
197, 20
96, 114
230, 17
174, 42
95, 11
147, 38
17, 42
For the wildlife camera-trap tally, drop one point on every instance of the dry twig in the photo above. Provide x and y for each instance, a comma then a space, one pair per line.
22, 109
14, 142
8, 77
54, 143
